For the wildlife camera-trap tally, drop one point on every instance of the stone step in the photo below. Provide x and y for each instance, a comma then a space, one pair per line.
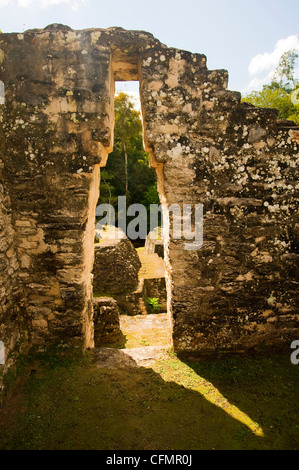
110, 358
152, 265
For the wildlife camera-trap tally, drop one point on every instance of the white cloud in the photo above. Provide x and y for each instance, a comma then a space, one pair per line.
270, 60
257, 83
3, 3
262, 66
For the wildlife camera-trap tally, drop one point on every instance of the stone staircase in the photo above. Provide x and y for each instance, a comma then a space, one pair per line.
151, 284
126, 313
152, 279
152, 265
145, 339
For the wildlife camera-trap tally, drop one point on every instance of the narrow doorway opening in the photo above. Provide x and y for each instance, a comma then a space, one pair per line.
129, 283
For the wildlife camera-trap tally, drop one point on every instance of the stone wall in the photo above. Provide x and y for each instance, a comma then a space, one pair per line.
13, 322
241, 289
53, 124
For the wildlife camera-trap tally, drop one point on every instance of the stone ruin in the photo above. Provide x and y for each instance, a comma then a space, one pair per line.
154, 242
240, 290
115, 271
116, 264
119, 274
106, 321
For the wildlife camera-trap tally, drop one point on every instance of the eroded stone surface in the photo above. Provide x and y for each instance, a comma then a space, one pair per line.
116, 266
106, 321
124, 358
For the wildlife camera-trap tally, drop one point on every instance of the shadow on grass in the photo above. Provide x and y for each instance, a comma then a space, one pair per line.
264, 387
82, 406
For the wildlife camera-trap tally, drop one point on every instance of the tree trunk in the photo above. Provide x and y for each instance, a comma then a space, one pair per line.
126, 167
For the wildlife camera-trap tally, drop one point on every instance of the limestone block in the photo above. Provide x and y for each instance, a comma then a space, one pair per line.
116, 266
106, 321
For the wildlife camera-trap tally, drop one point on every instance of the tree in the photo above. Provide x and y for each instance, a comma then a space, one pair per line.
127, 127
285, 70
127, 171
279, 93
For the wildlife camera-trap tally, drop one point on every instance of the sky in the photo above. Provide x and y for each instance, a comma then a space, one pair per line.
246, 38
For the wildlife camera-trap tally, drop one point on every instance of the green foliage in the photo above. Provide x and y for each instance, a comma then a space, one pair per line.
275, 98
278, 94
151, 196
127, 120
127, 171
153, 302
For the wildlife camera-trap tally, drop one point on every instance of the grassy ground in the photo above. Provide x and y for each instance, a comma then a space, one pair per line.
224, 403
145, 330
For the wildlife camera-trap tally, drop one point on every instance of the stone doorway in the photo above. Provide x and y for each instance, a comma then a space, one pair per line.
129, 283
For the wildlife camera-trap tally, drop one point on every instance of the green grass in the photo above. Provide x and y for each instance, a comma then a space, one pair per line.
224, 403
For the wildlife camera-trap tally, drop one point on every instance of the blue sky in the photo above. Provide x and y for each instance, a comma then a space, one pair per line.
246, 38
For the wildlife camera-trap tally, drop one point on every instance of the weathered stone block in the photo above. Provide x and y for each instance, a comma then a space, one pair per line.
154, 243
116, 266
106, 321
